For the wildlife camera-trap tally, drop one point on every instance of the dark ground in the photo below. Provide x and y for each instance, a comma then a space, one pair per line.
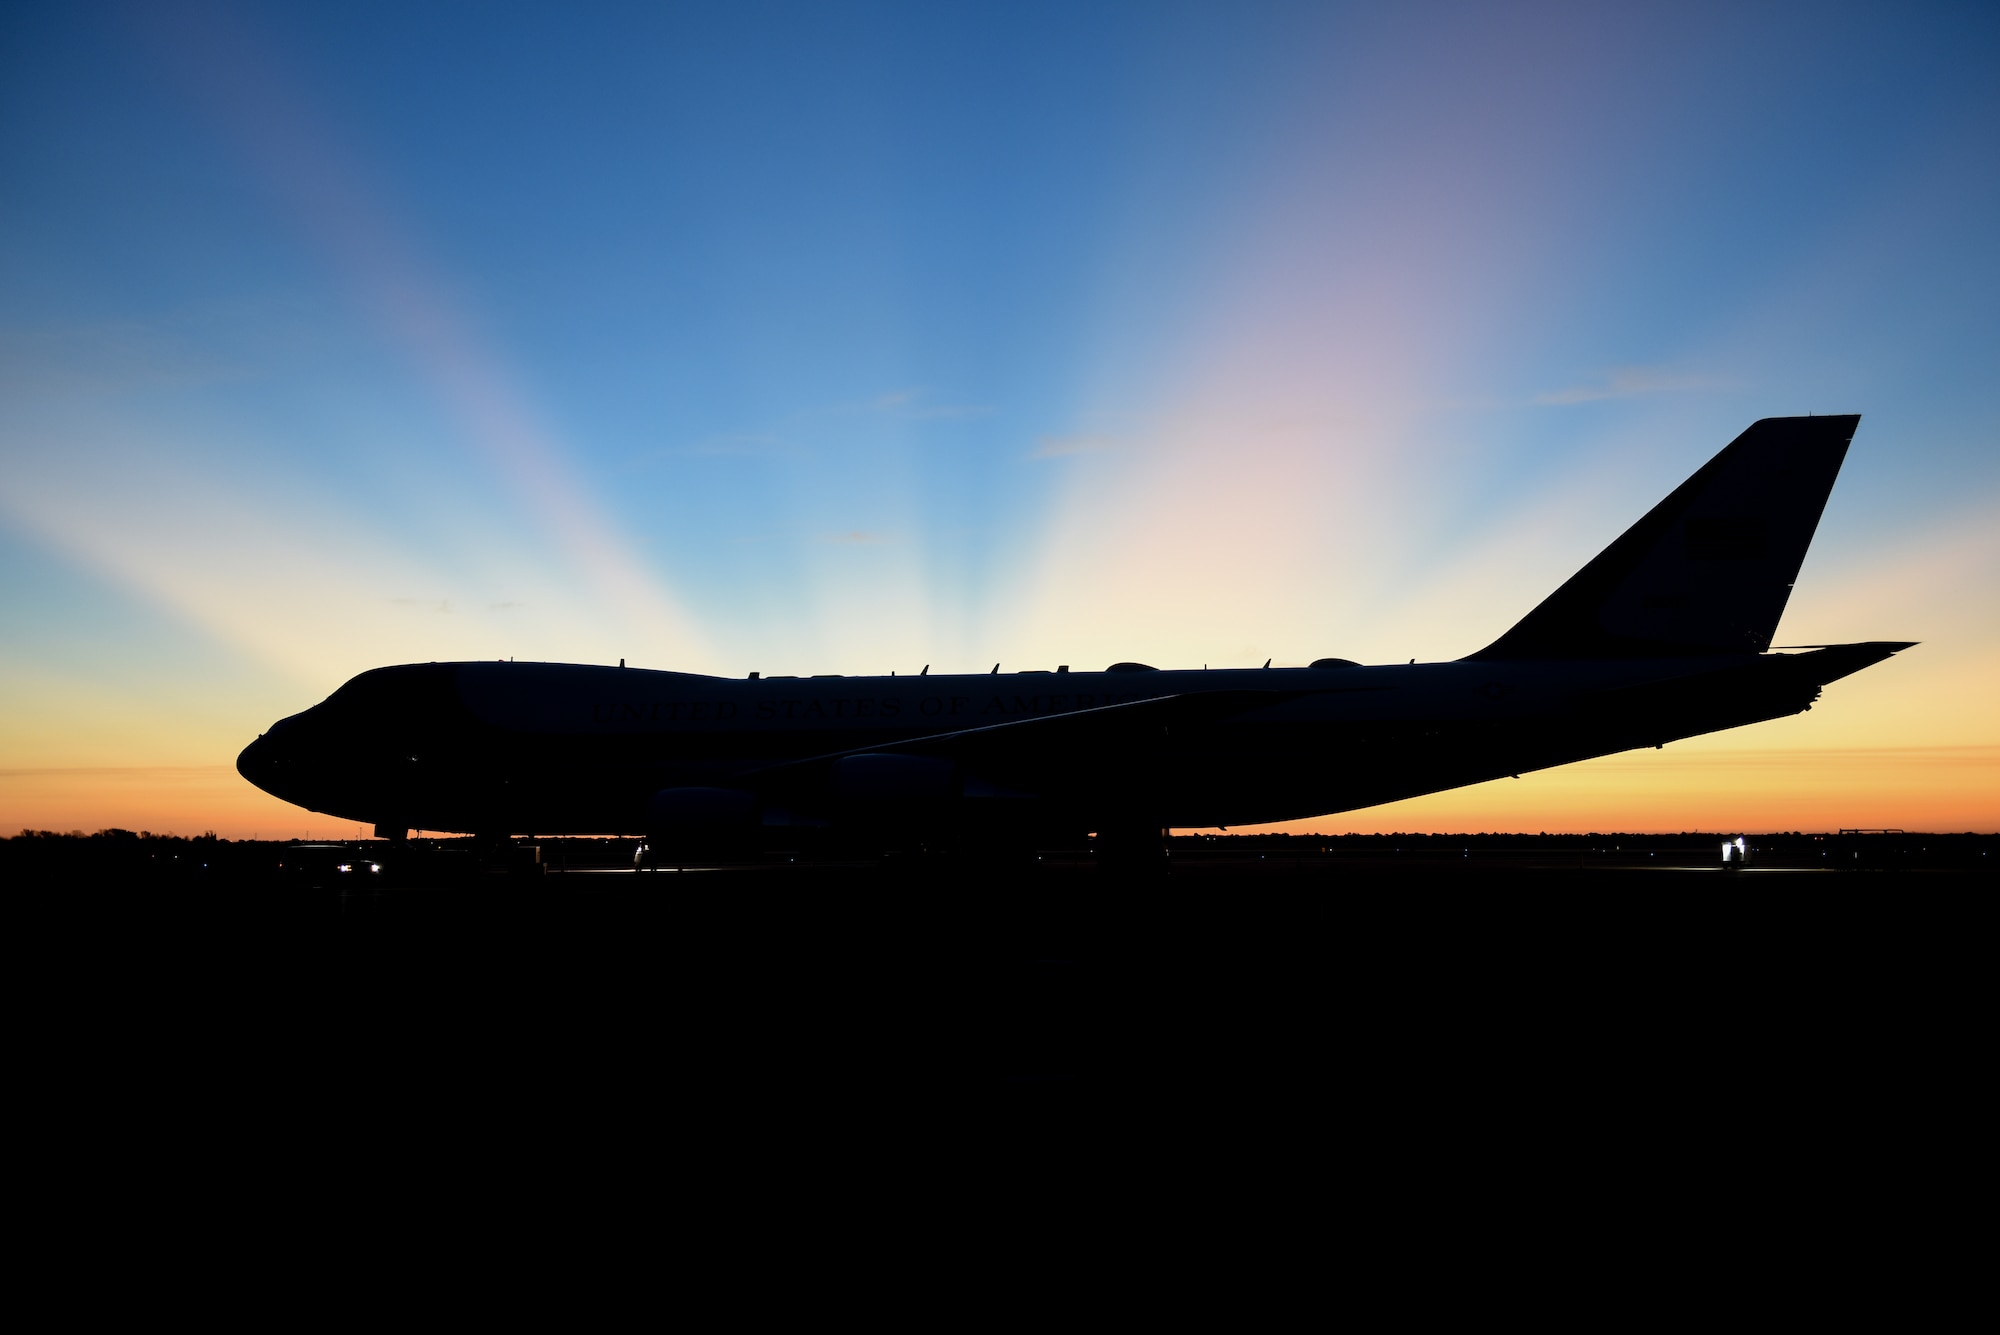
1616, 967
1475, 1049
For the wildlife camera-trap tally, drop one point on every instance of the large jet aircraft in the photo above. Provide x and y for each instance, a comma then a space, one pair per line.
1665, 635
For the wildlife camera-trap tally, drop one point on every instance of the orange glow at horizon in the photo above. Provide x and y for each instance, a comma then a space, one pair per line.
1939, 789
1686, 787
160, 799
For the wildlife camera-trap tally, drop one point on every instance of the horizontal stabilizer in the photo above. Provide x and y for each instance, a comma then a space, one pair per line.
1709, 569
1831, 662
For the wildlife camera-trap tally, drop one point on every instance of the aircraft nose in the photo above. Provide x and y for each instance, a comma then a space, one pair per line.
258, 762
297, 759
271, 762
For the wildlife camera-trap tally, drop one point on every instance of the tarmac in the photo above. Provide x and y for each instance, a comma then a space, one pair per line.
1416, 1045
1222, 967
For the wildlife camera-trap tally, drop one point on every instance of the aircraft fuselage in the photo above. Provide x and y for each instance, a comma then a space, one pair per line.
566, 749
1664, 634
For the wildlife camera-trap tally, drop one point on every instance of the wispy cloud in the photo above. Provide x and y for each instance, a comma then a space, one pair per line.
916, 405
734, 445
854, 538
444, 608
1061, 447
1626, 382
902, 405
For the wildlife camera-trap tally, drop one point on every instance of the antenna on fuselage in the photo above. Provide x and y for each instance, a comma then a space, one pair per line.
995, 672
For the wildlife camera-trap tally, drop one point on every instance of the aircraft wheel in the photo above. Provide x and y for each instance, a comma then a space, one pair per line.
1131, 849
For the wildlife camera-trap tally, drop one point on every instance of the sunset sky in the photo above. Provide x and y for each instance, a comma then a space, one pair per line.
842, 338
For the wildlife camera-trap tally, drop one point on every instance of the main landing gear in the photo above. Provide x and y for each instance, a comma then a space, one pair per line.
1131, 850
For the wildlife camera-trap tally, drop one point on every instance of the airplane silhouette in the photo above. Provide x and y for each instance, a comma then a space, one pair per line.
1664, 635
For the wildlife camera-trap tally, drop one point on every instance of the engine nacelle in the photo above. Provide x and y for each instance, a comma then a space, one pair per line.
699, 809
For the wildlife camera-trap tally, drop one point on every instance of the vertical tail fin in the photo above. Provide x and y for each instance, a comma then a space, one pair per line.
1708, 570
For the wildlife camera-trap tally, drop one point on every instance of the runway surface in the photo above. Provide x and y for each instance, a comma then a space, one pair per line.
1418, 1045
1052, 980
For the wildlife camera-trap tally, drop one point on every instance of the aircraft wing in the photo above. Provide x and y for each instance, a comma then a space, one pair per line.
1020, 749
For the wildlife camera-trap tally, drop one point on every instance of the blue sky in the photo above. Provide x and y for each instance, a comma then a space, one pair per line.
844, 338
